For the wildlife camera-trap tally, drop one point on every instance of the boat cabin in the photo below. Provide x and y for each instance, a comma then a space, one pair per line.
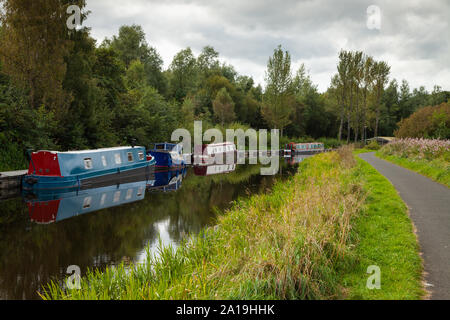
305, 147
65, 164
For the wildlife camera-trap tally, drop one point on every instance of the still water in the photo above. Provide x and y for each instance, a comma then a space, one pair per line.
96, 228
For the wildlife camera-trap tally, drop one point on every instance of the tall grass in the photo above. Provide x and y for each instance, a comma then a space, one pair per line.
304, 240
285, 245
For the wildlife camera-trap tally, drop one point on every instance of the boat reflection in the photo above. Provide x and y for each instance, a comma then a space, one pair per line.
167, 180
48, 208
296, 159
214, 169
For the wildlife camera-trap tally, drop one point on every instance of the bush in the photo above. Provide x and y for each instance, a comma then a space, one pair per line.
428, 122
373, 145
418, 148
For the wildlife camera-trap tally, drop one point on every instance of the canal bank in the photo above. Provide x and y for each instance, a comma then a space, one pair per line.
312, 237
47, 242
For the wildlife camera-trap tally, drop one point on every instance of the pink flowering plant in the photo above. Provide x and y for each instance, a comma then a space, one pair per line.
413, 148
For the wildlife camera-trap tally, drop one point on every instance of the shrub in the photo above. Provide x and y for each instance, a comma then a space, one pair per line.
428, 122
373, 145
418, 148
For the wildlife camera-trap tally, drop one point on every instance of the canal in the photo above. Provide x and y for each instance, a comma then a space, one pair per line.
40, 238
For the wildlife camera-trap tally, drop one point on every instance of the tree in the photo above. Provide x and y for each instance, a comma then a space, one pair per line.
223, 107
341, 83
278, 98
367, 82
131, 46
34, 42
382, 71
183, 74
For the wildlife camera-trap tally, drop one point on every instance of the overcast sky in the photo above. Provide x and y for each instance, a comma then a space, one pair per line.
413, 36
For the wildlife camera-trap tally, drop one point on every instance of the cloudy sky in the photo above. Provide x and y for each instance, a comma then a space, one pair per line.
413, 36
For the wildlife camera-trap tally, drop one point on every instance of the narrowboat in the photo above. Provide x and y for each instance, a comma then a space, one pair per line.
53, 207
167, 180
218, 153
54, 170
214, 169
168, 155
312, 147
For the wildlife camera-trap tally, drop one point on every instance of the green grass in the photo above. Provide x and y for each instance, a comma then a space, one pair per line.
436, 169
385, 238
310, 238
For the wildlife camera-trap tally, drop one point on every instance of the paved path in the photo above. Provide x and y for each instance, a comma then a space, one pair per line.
429, 204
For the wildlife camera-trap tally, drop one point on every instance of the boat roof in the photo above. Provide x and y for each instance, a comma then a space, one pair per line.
219, 144
93, 150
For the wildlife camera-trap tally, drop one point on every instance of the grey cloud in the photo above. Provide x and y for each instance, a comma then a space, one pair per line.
313, 31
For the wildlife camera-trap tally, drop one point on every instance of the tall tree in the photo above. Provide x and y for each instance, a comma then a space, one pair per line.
382, 70
34, 42
279, 97
223, 107
367, 83
183, 74
132, 46
342, 83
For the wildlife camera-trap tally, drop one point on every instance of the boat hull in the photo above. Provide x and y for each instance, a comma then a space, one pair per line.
166, 159
141, 171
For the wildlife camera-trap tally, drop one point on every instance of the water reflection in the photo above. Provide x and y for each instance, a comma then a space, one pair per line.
41, 236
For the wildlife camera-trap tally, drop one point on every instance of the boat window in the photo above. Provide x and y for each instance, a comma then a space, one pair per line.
116, 196
130, 156
117, 158
104, 161
141, 156
129, 194
87, 202
140, 192
102, 201
88, 163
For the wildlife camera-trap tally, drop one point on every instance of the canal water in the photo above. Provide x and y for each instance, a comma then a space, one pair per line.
41, 236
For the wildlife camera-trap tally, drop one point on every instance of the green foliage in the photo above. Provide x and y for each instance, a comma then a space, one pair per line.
428, 122
223, 107
278, 98
102, 96
373, 145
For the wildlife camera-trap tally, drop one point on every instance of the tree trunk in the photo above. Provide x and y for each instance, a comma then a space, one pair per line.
341, 124
348, 127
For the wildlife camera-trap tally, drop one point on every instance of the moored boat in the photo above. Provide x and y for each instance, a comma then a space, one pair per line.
168, 155
312, 147
54, 170
215, 153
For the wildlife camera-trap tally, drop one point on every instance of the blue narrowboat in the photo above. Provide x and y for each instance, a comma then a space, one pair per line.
168, 155
53, 170
57, 206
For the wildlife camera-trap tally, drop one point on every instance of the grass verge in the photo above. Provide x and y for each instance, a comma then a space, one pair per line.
437, 169
304, 240
385, 238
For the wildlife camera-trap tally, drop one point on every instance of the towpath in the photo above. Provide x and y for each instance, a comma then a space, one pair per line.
429, 205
